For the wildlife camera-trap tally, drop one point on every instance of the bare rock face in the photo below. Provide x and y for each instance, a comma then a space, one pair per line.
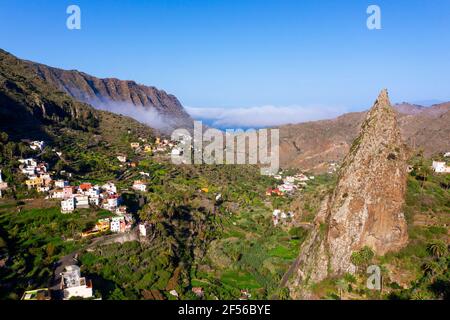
365, 208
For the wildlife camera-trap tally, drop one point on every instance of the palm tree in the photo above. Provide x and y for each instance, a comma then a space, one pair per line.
437, 249
431, 268
342, 286
419, 295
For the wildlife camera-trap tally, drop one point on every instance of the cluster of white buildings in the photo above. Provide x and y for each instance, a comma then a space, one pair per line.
85, 195
332, 168
290, 183
36, 173
160, 146
280, 216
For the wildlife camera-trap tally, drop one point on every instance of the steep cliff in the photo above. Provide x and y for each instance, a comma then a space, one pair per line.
365, 208
146, 104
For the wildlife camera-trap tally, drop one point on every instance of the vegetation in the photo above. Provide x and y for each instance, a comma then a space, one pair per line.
421, 269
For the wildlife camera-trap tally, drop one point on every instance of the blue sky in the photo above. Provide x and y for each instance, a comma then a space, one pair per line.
314, 56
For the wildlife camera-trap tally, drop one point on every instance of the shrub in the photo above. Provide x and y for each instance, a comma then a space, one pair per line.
362, 257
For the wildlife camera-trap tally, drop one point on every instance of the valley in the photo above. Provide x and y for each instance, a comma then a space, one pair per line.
215, 231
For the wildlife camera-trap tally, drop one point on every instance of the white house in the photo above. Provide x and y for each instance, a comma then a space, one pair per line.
28, 162
94, 200
122, 210
67, 206
81, 201
35, 145
122, 159
275, 221
43, 189
3, 185
93, 191
58, 194
110, 187
61, 184
139, 186
73, 285
29, 171
144, 229
117, 224
447, 154
144, 174
112, 203
47, 178
286, 187
289, 179
440, 167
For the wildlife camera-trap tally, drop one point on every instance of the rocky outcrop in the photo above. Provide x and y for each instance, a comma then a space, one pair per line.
365, 208
146, 104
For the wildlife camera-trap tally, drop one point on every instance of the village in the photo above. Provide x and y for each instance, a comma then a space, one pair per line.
73, 196
85, 195
289, 185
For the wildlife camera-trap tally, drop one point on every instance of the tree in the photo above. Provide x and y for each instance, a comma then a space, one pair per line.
437, 249
362, 257
431, 268
3, 137
342, 286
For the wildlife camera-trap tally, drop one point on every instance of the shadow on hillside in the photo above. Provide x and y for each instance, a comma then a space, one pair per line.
18, 123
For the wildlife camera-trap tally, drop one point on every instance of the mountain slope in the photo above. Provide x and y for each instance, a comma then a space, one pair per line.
147, 104
312, 145
30, 108
28, 104
366, 206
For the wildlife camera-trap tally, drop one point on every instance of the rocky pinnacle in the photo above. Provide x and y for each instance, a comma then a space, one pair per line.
365, 208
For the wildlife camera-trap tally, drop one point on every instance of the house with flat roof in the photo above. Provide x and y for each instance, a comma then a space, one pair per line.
74, 285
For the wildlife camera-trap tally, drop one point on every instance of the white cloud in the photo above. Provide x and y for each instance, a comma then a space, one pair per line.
263, 116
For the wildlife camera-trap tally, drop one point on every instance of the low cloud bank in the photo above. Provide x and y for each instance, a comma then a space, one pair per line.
148, 116
265, 116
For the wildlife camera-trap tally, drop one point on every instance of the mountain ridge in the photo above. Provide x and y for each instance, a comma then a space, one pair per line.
147, 104
314, 145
